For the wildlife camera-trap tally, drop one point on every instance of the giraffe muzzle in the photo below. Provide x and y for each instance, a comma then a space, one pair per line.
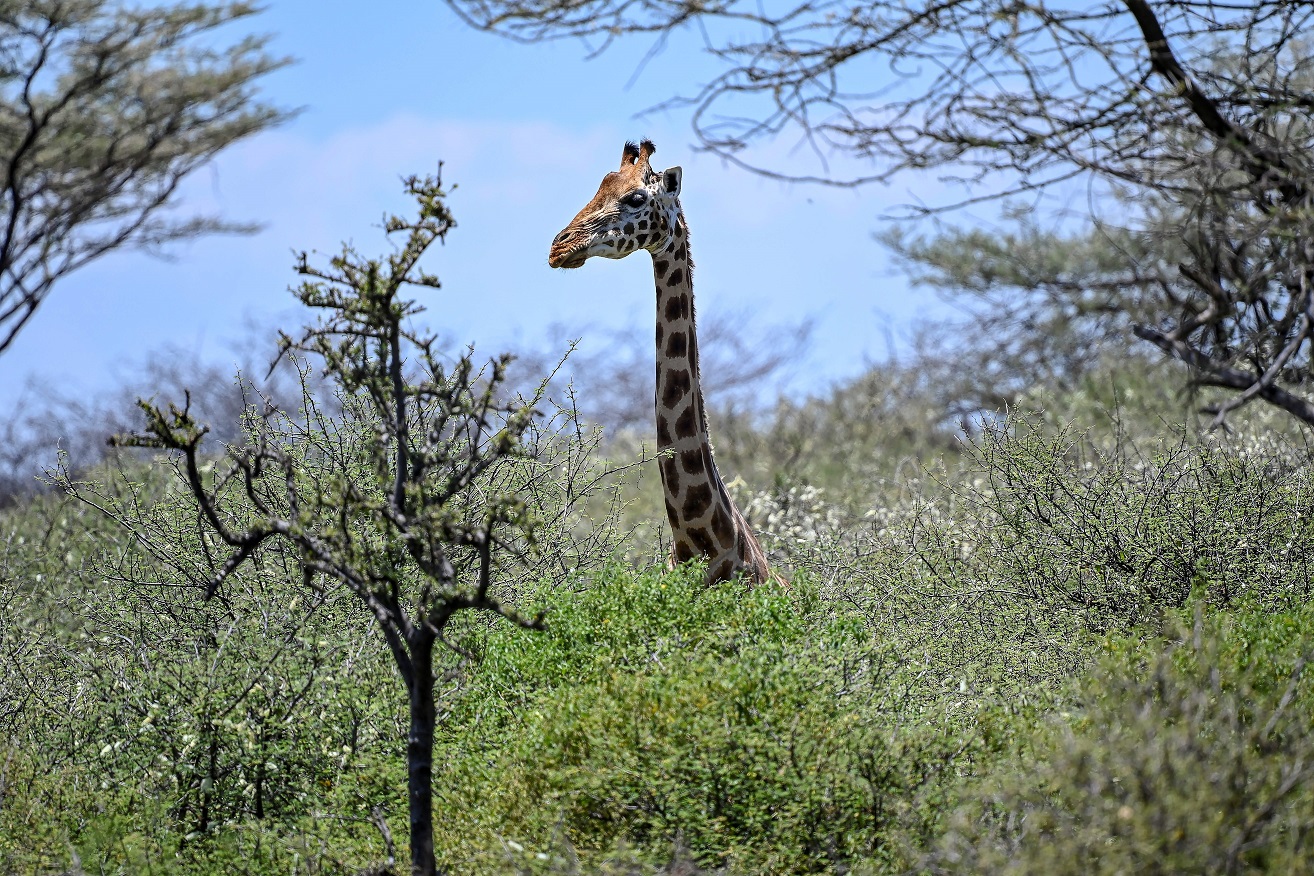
567, 253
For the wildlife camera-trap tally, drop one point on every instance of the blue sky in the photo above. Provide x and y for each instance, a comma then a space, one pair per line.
526, 133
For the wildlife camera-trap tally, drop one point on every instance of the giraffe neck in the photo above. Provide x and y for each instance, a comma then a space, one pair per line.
704, 521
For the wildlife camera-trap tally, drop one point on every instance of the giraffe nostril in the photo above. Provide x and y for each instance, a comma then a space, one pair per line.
560, 237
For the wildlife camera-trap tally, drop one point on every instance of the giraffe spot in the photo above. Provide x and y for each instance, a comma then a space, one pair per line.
679, 230
641, 239
684, 551
692, 460
677, 277
670, 474
643, 224
629, 228
697, 501
722, 526
676, 346
724, 571
670, 513
673, 308
702, 541
681, 254
686, 425
663, 432
697, 424
677, 386
660, 267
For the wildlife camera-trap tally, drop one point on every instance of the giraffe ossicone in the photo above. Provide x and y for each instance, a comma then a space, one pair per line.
638, 208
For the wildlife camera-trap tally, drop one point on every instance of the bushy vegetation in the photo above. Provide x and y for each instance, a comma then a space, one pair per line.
1067, 637
1051, 649
1189, 753
1038, 619
763, 727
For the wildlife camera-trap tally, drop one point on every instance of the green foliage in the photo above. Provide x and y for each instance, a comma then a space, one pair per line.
1190, 758
142, 720
863, 441
1116, 532
400, 489
764, 727
1041, 307
229, 685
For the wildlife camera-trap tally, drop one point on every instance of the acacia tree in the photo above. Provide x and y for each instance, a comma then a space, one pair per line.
1195, 112
1039, 309
104, 110
428, 494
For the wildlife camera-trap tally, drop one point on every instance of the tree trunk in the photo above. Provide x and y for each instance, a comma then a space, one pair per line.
419, 754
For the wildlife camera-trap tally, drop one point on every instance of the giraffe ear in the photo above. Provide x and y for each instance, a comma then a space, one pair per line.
671, 180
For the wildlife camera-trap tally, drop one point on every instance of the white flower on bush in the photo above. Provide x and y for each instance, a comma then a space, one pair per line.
798, 514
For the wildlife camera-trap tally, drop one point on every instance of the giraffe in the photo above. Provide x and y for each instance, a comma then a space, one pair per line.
638, 208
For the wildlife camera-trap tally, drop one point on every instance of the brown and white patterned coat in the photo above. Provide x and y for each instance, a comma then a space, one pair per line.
637, 208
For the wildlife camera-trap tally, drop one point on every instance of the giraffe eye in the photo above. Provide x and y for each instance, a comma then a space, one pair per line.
636, 199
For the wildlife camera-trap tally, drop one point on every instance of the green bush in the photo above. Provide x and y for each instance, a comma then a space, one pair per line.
141, 722
1192, 757
765, 727
953, 680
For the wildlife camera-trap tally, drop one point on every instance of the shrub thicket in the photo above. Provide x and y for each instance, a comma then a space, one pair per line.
767, 728
975, 676
145, 723
1193, 756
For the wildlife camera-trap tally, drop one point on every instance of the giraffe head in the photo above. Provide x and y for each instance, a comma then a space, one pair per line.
635, 208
